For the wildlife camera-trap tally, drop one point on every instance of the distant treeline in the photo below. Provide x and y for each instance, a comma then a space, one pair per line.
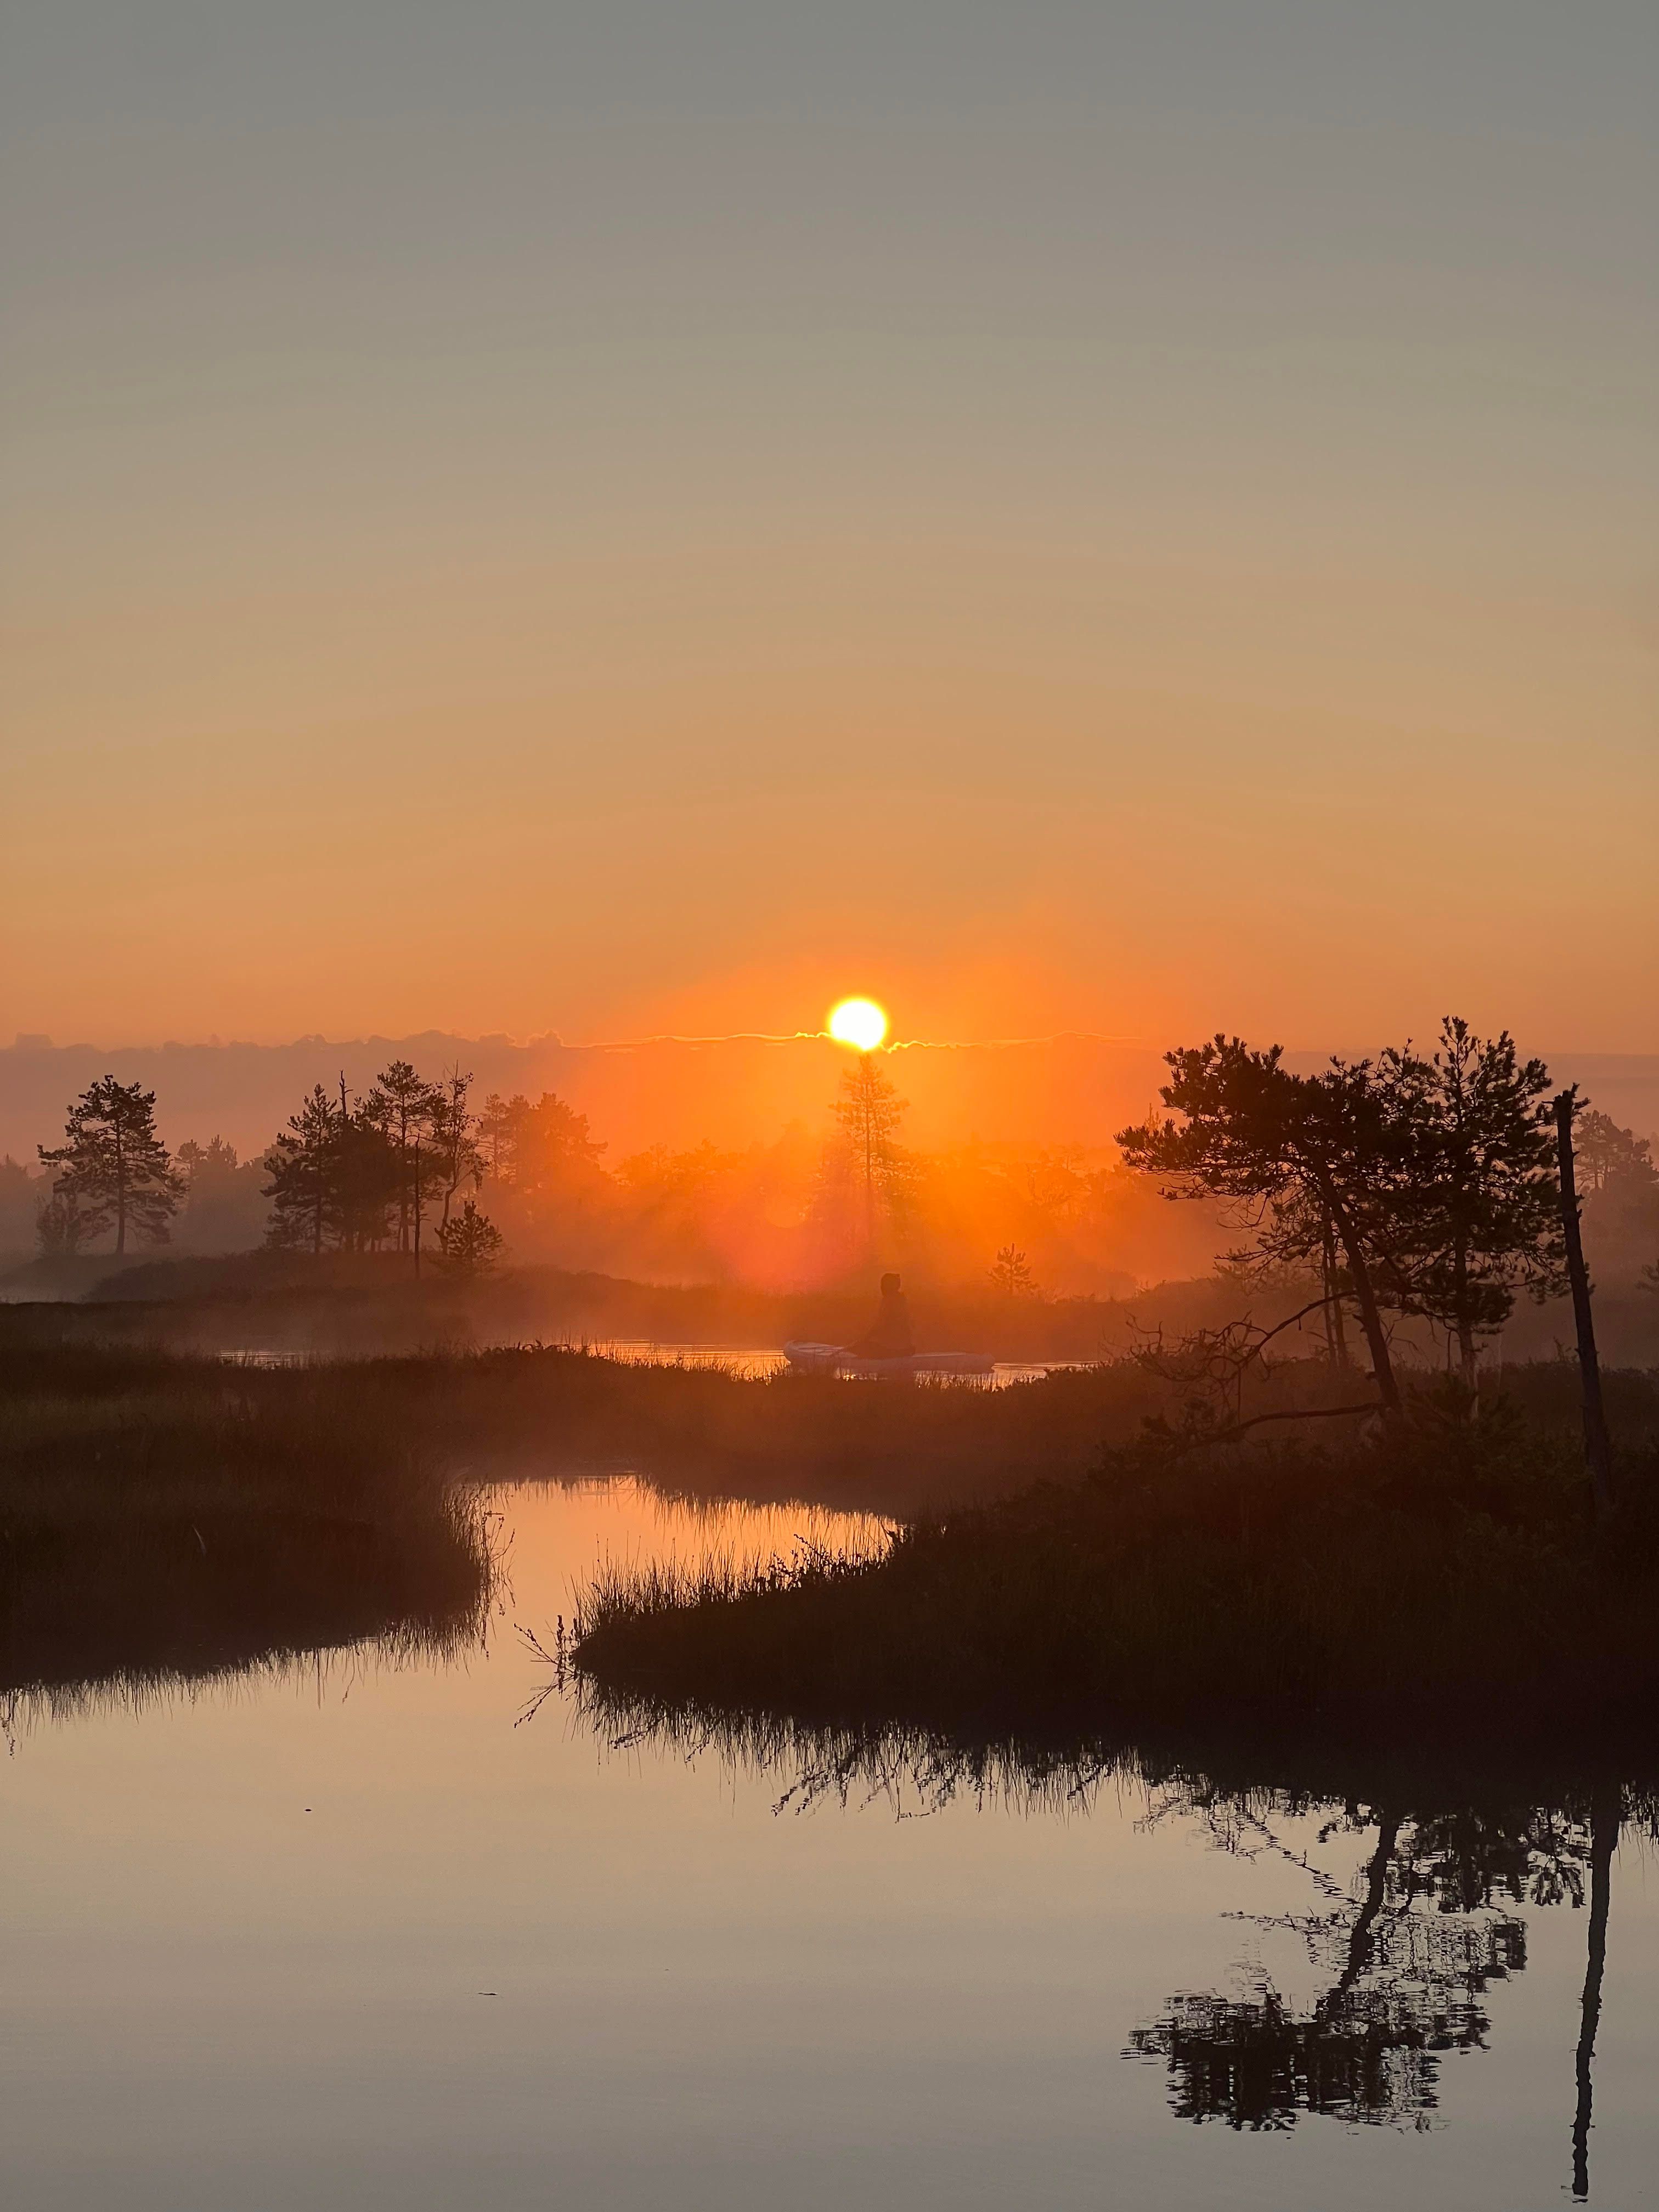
1442, 1160
389, 1172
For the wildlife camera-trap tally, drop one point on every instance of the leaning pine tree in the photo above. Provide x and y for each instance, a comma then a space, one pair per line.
112, 1170
1322, 1146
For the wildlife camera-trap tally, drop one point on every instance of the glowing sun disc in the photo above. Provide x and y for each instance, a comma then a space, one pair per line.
858, 1022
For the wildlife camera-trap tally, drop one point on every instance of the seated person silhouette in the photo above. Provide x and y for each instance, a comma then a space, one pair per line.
890, 1337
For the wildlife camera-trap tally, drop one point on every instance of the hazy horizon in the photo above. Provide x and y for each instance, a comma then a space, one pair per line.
1070, 1088
26, 1040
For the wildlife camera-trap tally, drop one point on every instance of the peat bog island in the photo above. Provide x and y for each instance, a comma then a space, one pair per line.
828, 1202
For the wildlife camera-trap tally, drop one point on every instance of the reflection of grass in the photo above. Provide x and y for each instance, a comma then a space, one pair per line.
158, 1520
1446, 1587
156, 1597
1231, 1780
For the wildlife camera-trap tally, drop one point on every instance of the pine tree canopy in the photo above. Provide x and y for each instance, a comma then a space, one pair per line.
112, 1170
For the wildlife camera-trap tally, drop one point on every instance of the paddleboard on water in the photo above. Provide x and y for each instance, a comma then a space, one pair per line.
812, 1359
835, 1360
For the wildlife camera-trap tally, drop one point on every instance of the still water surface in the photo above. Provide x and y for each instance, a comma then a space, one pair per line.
364, 1936
754, 1362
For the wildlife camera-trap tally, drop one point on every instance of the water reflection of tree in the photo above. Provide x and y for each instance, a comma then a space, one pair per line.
1405, 1987
1408, 1957
1408, 1953
1411, 1953
1606, 1818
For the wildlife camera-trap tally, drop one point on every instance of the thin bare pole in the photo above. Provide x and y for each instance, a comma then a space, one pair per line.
1606, 1814
1598, 1447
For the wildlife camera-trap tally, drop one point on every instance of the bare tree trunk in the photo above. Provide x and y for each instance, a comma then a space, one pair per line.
1468, 1355
869, 1172
403, 1179
1606, 1812
1598, 1447
1468, 1351
120, 1194
459, 1089
1377, 1889
345, 1168
418, 1206
1336, 1334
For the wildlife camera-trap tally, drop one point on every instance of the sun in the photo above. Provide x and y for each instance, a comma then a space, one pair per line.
858, 1022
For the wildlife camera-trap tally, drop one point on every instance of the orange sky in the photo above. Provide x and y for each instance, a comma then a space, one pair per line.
654, 523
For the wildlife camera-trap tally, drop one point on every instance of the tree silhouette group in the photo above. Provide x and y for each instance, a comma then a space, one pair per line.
1420, 1186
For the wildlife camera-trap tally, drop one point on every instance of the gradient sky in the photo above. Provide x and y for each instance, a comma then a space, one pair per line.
620, 517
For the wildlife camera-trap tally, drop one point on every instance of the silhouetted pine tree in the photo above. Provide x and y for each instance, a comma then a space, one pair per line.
304, 1167
455, 1131
113, 1168
1606, 1153
470, 1243
405, 1109
1476, 1215
868, 1112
